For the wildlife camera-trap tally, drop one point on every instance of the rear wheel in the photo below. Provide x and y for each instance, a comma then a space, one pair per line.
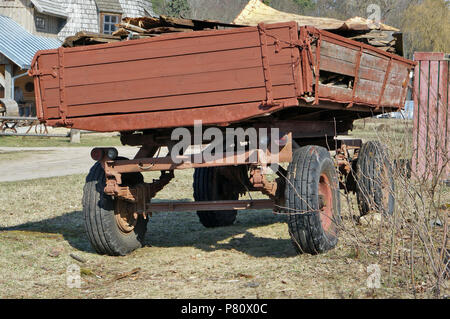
111, 225
313, 200
210, 185
374, 179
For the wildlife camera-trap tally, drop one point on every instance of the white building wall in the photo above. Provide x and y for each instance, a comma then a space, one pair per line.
83, 16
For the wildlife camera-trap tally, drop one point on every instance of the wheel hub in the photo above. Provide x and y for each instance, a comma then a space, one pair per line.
125, 215
325, 202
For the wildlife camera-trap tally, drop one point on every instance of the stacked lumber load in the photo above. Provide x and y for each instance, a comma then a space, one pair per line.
380, 35
88, 38
359, 29
145, 27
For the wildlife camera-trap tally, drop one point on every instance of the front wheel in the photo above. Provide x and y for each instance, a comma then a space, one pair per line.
111, 225
312, 200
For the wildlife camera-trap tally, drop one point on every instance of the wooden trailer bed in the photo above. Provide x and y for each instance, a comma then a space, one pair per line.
220, 77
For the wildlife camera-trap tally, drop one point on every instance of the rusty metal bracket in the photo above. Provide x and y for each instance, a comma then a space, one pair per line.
269, 102
356, 80
140, 193
310, 68
53, 72
317, 70
259, 182
296, 62
275, 189
210, 205
63, 110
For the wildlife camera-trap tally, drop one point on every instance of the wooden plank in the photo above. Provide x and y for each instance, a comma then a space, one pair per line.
121, 32
167, 30
342, 53
212, 115
366, 93
433, 112
346, 68
132, 27
334, 93
431, 56
370, 91
2, 80
337, 52
164, 67
178, 102
8, 81
185, 84
168, 45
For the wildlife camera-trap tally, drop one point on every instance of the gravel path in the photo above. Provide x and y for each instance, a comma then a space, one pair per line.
42, 162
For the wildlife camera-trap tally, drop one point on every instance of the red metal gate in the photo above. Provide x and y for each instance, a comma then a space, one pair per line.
431, 118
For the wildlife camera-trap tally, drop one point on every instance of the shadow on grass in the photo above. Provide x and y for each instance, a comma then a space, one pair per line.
179, 230
69, 225
184, 229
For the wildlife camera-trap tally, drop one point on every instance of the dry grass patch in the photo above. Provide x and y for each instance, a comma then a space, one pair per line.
42, 224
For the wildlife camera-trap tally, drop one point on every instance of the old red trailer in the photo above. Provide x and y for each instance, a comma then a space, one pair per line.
306, 84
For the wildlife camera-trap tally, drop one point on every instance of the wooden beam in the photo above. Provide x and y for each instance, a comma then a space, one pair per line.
8, 81
211, 205
2, 80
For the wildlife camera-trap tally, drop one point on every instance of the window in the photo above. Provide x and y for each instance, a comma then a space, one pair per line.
61, 23
40, 22
109, 21
29, 87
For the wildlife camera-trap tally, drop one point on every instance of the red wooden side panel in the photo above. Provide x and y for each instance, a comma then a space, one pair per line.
170, 80
379, 79
219, 77
431, 116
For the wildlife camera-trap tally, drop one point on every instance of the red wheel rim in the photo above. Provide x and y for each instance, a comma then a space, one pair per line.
124, 214
325, 202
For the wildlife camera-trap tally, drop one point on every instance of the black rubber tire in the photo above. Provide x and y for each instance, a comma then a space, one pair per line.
99, 220
374, 180
210, 185
304, 174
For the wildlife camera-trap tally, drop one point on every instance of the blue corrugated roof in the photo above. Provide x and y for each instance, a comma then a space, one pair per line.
20, 46
51, 7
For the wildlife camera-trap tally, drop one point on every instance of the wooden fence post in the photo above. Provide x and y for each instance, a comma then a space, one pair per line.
75, 136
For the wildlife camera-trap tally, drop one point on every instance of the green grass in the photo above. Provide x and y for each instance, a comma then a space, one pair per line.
394, 133
91, 140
